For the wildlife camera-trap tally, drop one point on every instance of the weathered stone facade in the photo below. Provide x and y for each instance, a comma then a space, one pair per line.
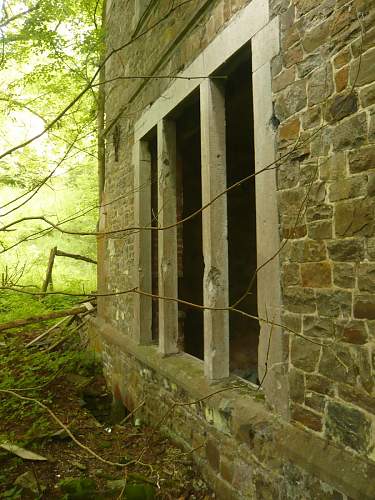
311, 433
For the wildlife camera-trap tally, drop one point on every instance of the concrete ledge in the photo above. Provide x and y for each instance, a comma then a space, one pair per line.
341, 469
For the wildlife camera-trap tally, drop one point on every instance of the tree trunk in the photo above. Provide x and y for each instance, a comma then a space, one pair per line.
48, 278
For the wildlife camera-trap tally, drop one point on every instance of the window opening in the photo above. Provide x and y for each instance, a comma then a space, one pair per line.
244, 332
190, 249
153, 149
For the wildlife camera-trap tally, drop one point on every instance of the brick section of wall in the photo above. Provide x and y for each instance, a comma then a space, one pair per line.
323, 84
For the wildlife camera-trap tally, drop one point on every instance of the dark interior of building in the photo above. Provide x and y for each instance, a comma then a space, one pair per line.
244, 332
153, 147
191, 266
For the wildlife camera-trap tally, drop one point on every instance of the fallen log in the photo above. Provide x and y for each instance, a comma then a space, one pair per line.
43, 317
51, 329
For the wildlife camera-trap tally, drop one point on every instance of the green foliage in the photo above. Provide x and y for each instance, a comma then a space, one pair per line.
50, 54
32, 369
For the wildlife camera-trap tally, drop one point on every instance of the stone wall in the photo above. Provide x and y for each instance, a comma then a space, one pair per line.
324, 113
243, 450
324, 91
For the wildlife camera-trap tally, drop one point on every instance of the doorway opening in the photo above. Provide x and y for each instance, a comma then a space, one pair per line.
242, 261
190, 248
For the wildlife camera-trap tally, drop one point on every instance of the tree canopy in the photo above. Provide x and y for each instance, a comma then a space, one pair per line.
49, 51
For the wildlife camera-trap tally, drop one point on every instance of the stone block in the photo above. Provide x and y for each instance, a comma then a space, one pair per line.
357, 397
299, 300
288, 175
347, 188
348, 426
341, 79
315, 401
314, 326
308, 172
304, 354
355, 218
320, 230
308, 251
291, 200
371, 185
352, 331
350, 133
321, 143
362, 159
290, 275
276, 65
341, 106
319, 384
290, 37
312, 117
291, 321
296, 385
316, 37
342, 58
371, 128
364, 42
320, 212
367, 96
333, 303
366, 277
320, 85
366, 73
309, 64
283, 79
337, 363
366, 377
333, 168
306, 417
293, 56
317, 193
364, 306
344, 275
291, 100
289, 131
346, 250
293, 227
371, 248
316, 274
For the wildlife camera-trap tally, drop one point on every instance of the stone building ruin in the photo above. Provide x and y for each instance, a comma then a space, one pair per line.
263, 113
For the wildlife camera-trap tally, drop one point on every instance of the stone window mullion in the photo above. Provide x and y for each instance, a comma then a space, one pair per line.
142, 210
167, 239
214, 221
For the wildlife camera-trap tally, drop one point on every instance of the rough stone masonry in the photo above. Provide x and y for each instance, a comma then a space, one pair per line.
323, 121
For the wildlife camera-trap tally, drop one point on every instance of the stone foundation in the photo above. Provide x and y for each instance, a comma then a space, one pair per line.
243, 449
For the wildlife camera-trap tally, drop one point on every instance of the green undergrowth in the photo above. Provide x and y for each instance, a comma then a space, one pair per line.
14, 305
33, 371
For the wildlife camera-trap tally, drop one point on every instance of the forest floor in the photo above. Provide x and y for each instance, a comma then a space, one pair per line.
69, 382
